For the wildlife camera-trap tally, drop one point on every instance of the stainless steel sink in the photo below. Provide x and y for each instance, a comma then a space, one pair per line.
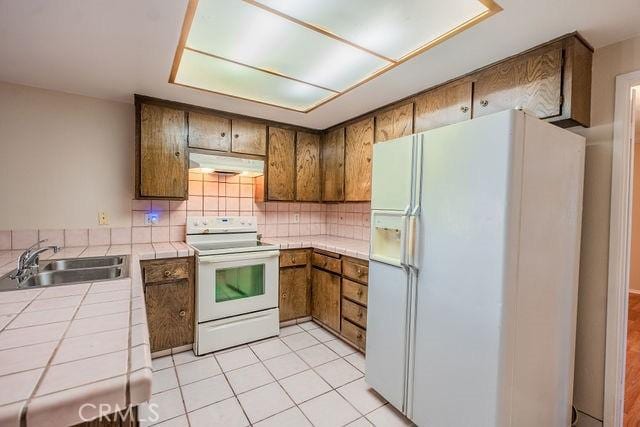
70, 271
75, 263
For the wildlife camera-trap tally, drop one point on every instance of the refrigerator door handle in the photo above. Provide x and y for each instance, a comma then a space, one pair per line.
405, 237
412, 241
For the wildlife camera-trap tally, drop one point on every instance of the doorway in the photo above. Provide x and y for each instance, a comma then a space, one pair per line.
622, 361
631, 417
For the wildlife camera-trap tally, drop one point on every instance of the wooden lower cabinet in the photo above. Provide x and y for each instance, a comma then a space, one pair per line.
330, 287
295, 293
170, 301
325, 298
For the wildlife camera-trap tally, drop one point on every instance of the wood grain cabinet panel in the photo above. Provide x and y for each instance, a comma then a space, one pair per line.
354, 312
248, 137
281, 165
443, 106
355, 291
354, 334
209, 132
326, 262
333, 166
294, 258
170, 305
394, 123
532, 81
355, 269
308, 167
295, 293
325, 298
357, 161
162, 169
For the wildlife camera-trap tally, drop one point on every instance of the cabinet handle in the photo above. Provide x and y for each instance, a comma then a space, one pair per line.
177, 154
223, 134
484, 102
360, 313
236, 136
464, 109
358, 271
167, 273
293, 260
359, 292
182, 313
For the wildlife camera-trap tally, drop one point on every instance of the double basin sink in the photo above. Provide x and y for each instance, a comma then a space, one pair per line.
70, 271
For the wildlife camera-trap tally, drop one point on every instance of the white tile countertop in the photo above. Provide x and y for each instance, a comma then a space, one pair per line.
67, 346
350, 247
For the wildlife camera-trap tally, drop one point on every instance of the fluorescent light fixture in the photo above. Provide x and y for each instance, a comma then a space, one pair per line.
301, 54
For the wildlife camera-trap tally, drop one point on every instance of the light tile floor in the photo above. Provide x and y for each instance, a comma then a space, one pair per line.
304, 377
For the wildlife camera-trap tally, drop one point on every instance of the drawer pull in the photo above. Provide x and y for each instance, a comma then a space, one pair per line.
293, 260
360, 292
167, 273
464, 109
182, 313
484, 102
360, 313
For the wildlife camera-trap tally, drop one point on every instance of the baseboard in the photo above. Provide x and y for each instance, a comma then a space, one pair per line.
635, 292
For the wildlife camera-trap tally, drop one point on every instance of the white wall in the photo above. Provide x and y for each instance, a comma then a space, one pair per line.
608, 62
63, 158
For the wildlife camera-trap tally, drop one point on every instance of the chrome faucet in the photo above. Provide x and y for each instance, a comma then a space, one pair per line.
29, 259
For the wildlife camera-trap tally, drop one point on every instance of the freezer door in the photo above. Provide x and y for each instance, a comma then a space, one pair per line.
387, 331
392, 174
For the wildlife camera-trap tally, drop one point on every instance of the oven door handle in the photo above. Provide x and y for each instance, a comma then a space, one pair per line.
207, 259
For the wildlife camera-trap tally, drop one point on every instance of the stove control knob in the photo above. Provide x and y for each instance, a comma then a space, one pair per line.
195, 223
204, 222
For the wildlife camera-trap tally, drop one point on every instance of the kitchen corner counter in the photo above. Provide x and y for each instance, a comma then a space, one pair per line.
69, 348
350, 247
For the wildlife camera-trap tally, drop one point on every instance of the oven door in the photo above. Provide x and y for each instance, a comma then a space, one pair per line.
232, 284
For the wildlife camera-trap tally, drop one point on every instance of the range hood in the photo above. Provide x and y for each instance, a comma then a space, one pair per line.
210, 163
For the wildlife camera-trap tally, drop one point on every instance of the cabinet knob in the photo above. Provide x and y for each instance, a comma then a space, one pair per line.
222, 134
359, 292
293, 260
464, 109
358, 271
236, 136
182, 313
177, 154
167, 273
360, 314
484, 102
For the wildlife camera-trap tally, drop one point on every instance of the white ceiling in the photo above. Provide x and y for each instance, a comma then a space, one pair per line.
112, 49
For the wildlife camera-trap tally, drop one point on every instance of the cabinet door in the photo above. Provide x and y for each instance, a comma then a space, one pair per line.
333, 166
532, 81
281, 169
170, 311
248, 137
325, 298
209, 132
163, 168
308, 167
357, 161
443, 106
392, 124
295, 293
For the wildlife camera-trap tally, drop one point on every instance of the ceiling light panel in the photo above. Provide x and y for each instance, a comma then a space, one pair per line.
300, 54
247, 34
201, 71
393, 29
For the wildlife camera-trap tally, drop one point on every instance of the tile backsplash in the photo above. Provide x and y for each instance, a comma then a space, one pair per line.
209, 194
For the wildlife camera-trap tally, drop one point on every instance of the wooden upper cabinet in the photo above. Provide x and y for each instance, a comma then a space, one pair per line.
162, 169
248, 137
532, 81
333, 166
281, 164
357, 161
443, 106
394, 123
209, 132
308, 167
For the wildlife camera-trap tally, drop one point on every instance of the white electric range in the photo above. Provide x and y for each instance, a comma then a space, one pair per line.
236, 282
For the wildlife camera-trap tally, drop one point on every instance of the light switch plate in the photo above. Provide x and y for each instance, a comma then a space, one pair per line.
103, 218
296, 218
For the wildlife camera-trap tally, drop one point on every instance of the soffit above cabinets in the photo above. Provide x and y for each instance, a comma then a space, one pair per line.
301, 54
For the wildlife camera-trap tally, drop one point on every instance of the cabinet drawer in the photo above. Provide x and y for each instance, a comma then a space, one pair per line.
327, 262
354, 312
354, 333
166, 271
294, 258
354, 291
355, 271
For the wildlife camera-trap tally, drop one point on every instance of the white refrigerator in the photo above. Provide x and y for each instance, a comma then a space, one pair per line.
473, 280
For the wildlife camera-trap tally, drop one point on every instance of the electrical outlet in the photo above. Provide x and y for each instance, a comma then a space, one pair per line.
151, 219
103, 218
296, 218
